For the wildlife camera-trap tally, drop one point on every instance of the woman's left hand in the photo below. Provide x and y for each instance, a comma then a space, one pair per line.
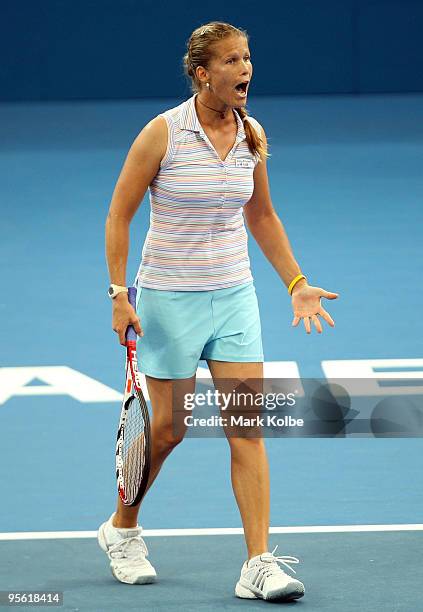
306, 305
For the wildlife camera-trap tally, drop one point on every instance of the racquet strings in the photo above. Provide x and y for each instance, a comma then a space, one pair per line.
133, 451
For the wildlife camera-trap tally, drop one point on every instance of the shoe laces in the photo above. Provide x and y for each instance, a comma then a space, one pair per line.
271, 562
128, 548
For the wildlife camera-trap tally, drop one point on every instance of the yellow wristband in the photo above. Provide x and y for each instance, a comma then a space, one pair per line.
294, 282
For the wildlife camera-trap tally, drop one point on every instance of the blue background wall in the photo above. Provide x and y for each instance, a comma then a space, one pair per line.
63, 49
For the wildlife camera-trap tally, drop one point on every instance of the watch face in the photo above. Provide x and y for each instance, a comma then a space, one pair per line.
110, 291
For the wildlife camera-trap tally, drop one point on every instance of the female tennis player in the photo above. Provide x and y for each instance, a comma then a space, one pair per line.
205, 164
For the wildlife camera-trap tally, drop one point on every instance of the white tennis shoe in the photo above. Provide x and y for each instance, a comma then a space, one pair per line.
127, 552
262, 578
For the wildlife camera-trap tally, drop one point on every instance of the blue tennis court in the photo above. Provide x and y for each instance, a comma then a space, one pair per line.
349, 193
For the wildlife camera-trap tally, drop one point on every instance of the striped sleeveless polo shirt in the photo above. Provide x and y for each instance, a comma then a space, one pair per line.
197, 239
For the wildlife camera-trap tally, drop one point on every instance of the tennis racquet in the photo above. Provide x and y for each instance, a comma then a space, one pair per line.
133, 446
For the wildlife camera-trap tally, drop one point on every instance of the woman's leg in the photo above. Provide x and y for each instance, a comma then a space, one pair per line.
249, 466
163, 438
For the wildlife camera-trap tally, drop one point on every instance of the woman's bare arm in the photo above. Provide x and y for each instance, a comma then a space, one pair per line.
270, 234
267, 228
140, 168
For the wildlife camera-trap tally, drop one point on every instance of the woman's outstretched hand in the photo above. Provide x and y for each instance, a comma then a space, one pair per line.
306, 305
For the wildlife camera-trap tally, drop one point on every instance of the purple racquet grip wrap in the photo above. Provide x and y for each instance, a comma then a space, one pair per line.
131, 334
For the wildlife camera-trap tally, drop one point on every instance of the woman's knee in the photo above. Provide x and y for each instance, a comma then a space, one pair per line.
168, 428
238, 444
165, 436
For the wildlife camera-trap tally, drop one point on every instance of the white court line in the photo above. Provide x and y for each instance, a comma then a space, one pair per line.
57, 535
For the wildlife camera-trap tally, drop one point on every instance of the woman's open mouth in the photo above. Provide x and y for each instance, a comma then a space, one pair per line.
242, 88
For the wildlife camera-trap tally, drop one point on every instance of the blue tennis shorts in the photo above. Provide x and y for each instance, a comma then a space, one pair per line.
182, 327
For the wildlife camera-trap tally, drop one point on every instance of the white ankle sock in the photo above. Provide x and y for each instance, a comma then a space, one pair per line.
117, 533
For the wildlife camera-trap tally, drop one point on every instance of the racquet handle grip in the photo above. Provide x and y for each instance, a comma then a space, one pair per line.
131, 334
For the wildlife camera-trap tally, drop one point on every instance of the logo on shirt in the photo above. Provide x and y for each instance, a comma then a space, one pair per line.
243, 162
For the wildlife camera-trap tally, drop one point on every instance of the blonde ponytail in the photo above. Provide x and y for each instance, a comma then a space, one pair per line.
254, 140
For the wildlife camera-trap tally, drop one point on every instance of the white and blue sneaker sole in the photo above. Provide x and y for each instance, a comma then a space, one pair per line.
292, 591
